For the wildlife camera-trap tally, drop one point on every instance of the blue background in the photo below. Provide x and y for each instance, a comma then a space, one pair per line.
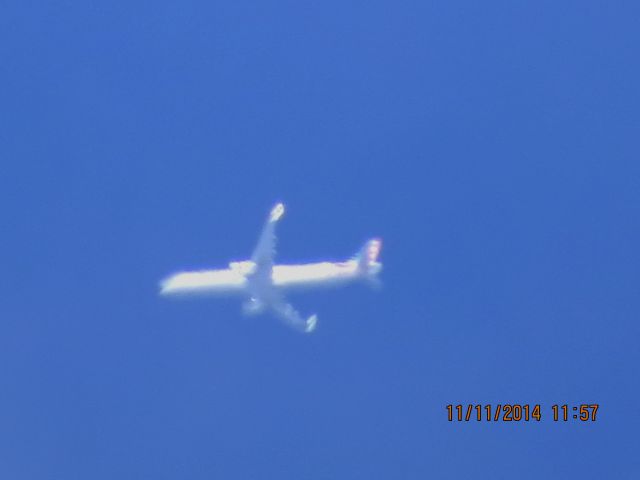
492, 145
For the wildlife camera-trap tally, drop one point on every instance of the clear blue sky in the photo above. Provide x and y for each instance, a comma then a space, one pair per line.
492, 145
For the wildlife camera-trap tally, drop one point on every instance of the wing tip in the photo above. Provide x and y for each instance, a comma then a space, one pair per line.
276, 212
311, 323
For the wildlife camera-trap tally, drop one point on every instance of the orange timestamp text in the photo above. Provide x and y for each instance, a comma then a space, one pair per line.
520, 412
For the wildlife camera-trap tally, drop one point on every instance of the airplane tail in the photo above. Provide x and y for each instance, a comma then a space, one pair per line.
367, 258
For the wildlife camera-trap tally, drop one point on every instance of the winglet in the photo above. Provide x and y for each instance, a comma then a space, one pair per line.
311, 322
276, 212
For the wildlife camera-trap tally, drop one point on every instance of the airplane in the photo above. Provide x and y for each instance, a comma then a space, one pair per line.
264, 283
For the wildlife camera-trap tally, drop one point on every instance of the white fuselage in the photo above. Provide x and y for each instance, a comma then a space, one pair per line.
236, 278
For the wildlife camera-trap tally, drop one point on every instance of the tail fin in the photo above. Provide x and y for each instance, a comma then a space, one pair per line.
367, 258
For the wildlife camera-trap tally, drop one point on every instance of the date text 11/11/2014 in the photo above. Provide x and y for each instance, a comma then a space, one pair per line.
514, 412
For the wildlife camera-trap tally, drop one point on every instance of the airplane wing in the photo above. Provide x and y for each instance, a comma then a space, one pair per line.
290, 316
266, 248
262, 290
